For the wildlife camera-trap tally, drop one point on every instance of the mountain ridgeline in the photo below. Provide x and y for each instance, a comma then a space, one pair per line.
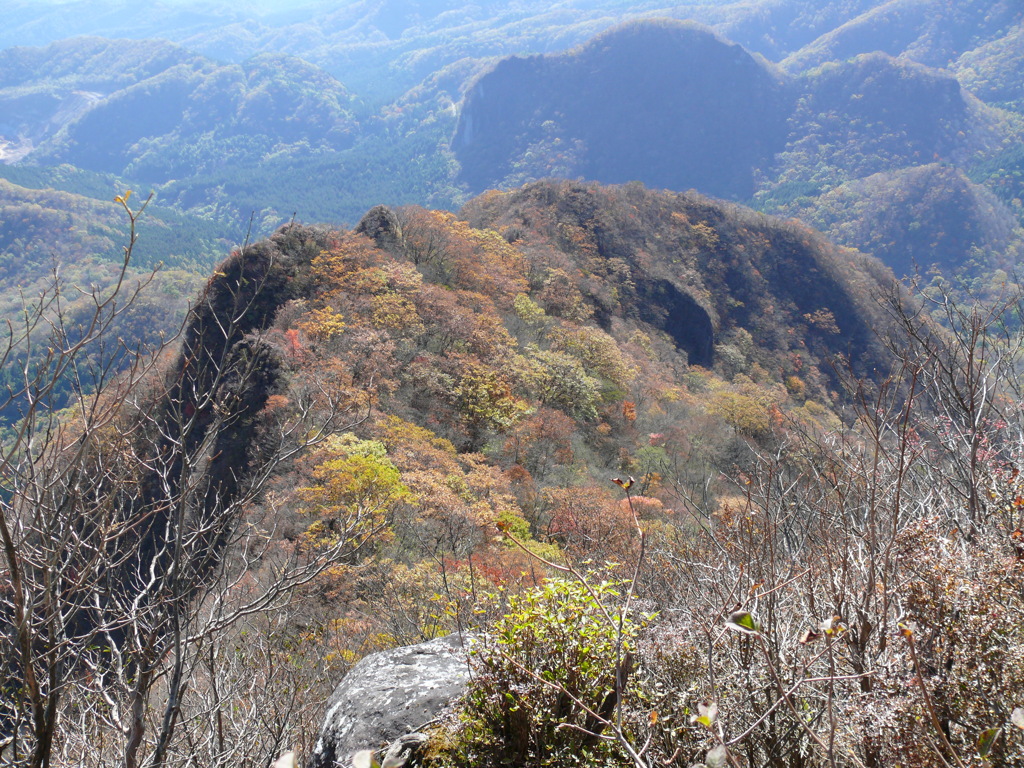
702, 271
673, 105
560, 294
579, 307
156, 111
529, 289
598, 298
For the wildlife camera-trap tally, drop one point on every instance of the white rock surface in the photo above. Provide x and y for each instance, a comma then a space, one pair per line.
389, 695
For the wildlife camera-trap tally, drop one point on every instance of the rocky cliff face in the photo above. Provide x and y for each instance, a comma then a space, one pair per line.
210, 437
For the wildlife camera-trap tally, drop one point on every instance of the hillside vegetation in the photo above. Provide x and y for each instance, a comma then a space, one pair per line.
708, 487
911, 219
60, 241
159, 112
432, 409
627, 106
389, 47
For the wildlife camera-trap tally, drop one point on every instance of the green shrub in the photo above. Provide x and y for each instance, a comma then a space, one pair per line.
543, 678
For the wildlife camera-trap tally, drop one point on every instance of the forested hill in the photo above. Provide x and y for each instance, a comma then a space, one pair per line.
708, 485
824, 111
564, 280
933, 34
689, 265
156, 111
374, 436
590, 302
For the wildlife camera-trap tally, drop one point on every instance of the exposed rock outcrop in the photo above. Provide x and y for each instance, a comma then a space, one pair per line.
390, 696
382, 226
669, 309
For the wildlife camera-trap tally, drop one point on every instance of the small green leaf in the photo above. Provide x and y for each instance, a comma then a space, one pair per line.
709, 711
1017, 718
743, 621
987, 740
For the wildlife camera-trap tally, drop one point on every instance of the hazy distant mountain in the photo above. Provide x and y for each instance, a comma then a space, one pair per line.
925, 31
386, 46
917, 218
666, 103
673, 105
875, 113
994, 72
156, 111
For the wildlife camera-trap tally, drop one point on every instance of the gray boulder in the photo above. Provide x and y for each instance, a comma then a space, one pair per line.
389, 696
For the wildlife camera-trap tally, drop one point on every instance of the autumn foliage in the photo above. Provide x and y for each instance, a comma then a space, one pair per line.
522, 402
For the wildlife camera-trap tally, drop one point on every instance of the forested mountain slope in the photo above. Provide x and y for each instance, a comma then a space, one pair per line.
708, 488
57, 242
917, 218
380, 435
685, 108
561, 282
155, 112
934, 34
992, 71
388, 47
